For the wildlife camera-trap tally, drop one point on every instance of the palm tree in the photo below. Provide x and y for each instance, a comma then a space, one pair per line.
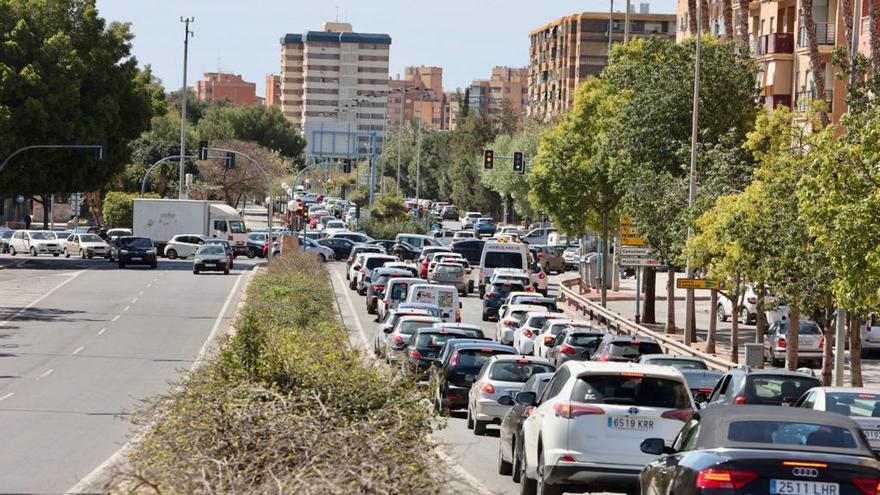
875, 37
817, 65
704, 16
727, 8
692, 17
744, 22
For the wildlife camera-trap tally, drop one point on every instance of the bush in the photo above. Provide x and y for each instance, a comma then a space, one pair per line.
389, 208
388, 229
287, 406
118, 208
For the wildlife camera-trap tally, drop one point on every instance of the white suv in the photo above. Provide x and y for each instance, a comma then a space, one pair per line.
588, 425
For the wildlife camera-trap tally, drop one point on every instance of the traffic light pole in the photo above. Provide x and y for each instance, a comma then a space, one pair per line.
99, 147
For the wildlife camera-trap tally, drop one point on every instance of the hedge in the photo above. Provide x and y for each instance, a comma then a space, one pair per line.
388, 229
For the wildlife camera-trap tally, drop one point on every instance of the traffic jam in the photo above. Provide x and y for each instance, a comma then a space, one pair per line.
579, 408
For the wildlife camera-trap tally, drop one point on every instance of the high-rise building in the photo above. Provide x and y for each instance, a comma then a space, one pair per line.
568, 50
334, 85
273, 90
419, 95
508, 86
223, 86
453, 108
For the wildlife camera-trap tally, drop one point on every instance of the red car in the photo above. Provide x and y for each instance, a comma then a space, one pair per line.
315, 217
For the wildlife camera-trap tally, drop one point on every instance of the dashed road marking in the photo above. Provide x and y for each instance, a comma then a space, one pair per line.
140, 293
115, 318
10, 394
101, 332
149, 285
46, 373
134, 300
78, 350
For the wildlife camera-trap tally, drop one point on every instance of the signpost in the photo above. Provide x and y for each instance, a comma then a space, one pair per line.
700, 283
634, 251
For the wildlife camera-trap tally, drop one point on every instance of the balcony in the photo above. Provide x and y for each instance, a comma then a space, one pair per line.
804, 98
776, 43
826, 33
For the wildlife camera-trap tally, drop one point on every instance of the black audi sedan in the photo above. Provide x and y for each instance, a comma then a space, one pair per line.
130, 250
763, 450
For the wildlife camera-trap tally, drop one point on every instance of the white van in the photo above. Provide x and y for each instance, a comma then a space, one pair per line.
417, 240
502, 255
396, 290
444, 296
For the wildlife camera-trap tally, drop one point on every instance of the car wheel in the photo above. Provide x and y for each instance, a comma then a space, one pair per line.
480, 427
171, 254
527, 486
744, 316
323, 258
371, 310
66, 254
470, 286
33, 251
517, 459
82, 254
12, 250
504, 468
544, 488
195, 271
251, 252
56, 254
352, 284
470, 419
722, 316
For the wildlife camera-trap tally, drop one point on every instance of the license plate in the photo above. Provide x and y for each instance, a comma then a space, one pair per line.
630, 423
872, 434
210, 264
136, 258
470, 378
796, 487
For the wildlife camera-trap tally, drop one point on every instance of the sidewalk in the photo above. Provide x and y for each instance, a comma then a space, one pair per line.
627, 290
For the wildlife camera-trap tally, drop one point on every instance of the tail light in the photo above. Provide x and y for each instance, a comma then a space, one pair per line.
487, 388
549, 339
507, 323
602, 358
573, 409
566, 349
752, 300
528, 333
490, 294
683, 415
739, 401
453, 361
529, 411
415, 354
780, 342
458, 316
868, 486
350, 258
540, 256
725, 479
822, 343
398, 339
530, 289
541, 276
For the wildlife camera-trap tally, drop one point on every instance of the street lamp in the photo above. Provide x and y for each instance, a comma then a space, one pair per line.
690, 333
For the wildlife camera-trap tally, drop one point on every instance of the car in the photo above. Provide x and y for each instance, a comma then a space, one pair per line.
357, 249
471, 331
484, 226
315, 217
417, 240
441, 256
387, 323
761, 450
572, 257
394, 293
34, 242
5, 236
574, 344
400, 334
495, 295
811, 343
509, 442
861, 404
444, 297
210, 257
512, 230
323, 253
255, 242
113, 233
677, 362
443, 236
423, 348
457, 367
369, 262
587, 427
500, 255
468, 218
132, 250
462, 235
407, 267
538, 236
341, 247
472, 250
425, 258
432, 309
550, 258
358, 237
547, 334
529, 326
183, 246
744, 385
501, 375
449, 212
509, 320
378, 281
450, 274
625, 348
61, 235
355, 267
537, 275
527, 296
85, 246
701, 382
227, 246
748, 306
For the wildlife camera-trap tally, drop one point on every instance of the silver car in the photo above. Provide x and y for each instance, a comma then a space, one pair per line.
403, 330
860, 404
211, 257
450, 274
811, 343
502, 375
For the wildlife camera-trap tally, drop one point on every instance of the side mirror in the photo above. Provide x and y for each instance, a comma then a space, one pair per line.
526, 398
506, 400
654, 446
386, 329
459, 305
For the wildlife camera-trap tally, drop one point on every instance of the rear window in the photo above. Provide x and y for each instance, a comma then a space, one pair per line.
863, 405
790, 433
681, 364
632, 350
474, 359
410, 327
805, 328
433, 340
585, 340
631, 390
776, 389
496, 259
505, 289
515, 371
398, 291
449, 269
375, 262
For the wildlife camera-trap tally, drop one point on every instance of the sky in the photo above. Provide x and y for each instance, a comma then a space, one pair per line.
464, 37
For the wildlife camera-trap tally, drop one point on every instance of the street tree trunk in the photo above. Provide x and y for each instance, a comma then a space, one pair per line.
855, 350
670, 301
603, 278
713, 322
874, 36
744, 23
692, 17
727, 7
704, 17
761, 317
791, 339
828, 351
734, 321
817, 66
649, 306
848, 24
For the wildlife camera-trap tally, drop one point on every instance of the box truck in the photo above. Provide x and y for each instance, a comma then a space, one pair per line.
162, 219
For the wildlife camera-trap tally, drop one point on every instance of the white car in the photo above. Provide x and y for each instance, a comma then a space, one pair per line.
539, 279
860, 404
183, 246
462, 235
400, 334
530, 325
387, 323
551, 329
589, 423
85, 245
369, 262
468, 218
334, 226
509, 320
502, 375
748, 307
396, 290
355, 267
34, 242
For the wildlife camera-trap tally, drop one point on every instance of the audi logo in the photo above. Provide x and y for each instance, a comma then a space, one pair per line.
805, 472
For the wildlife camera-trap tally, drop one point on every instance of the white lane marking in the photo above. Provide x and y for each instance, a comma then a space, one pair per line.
134, 300
44, 296
78, 350
115, 318
46, 373
357, 321
140, 293
156, 279
10, 394
101, 332
149, 285
126, 309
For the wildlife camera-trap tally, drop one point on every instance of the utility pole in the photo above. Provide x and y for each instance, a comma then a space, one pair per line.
419, 162
690, 333
181, 193
626, 23
610, 29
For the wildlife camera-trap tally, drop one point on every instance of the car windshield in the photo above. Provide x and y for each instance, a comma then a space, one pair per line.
139, 242
90, 238
503, 259
791, 433
778, 388
237, 227
806, 328
538, 321
517, 371
632, 389
472, 360
211, 250
681, 364
374, 262
863, 405
42, 236
633, 349
409, 327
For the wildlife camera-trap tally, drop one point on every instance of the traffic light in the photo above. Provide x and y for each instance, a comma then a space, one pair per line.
488, 159
230, 160
519, 165
346, 166
203, 150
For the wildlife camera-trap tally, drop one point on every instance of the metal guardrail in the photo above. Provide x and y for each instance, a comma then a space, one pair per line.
569, 294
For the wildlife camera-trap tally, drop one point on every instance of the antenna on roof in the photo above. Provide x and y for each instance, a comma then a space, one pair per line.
337, 13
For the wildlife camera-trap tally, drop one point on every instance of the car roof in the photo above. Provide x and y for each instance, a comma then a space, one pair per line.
593, 367
628, 338
437, 330
670, 356
519, 357
423, 318
458, 325
852, 390
768, 372
526, 307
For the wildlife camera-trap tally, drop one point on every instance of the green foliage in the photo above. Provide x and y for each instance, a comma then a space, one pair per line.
118, 211
389, 208
502, 179
68, 78
285, 403
263, 125
378, 228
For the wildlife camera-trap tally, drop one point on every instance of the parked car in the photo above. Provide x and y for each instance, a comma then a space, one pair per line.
510, 441
131, 250
458, 366
5, 236
748, 311
861, 404
501, 375
625, 348
572, 257
183, 246
747, 386
34, 242
811, 343
761, 450
211, 257
85, 246
574, 344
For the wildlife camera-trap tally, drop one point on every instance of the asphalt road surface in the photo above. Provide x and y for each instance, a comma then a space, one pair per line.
81, 342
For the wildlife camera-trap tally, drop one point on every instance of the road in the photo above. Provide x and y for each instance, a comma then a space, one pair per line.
81, 342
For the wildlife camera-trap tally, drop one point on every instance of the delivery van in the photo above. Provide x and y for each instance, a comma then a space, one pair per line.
444, 296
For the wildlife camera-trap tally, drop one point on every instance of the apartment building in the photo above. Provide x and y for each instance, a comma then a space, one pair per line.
273, 90
224, 86
453, 109
418, 95
334, 85
509, 86
568, 50
778, 42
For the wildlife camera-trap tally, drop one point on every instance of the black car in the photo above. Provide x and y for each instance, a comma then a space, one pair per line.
458, 366
130, 250
472, 250
376, 286
509, 445
625, 348
423, 348
767, 387
573, 344
495, 296
255, 243
701, 383
230, 252
762, 450
341, 247
404, 251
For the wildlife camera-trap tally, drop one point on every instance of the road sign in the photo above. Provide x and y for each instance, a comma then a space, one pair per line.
627, 220
629, 231
632, 241
629, 252
700, 283
638, 261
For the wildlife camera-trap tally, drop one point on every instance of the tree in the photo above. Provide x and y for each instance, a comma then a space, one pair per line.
727, 12
744, 24
68, 78
502, 179
817, 65
244, 180
263, 125
118, 208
